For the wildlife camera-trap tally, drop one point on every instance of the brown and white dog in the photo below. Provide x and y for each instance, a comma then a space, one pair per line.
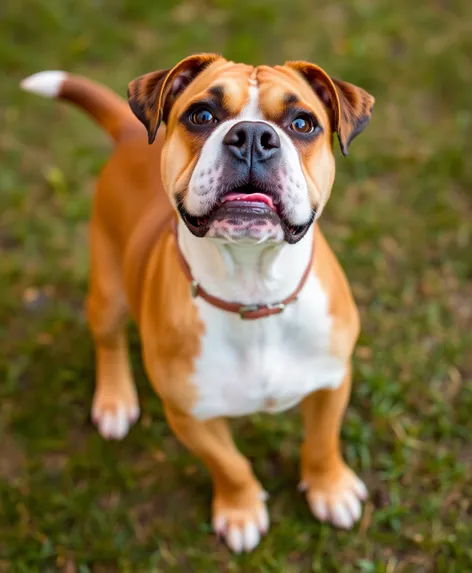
208, 238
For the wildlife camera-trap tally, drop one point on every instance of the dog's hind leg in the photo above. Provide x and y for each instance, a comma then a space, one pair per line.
115, 404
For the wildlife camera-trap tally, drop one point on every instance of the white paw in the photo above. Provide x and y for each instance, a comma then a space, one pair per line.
242, 528
340, 502
113, 421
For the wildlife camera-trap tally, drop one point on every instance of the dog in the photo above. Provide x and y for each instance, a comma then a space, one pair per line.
204, 230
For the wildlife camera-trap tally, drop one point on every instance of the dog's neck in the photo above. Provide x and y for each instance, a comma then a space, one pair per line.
256, 274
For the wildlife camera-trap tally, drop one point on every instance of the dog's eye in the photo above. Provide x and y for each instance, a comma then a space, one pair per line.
302, 124
202, 116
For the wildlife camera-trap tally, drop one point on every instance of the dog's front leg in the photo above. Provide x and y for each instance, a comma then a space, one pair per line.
239, 510
332, 489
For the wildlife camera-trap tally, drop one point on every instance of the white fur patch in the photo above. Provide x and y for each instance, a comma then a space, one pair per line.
341, 505
241, 530
266, 365
113, 425
47, 84
251, 111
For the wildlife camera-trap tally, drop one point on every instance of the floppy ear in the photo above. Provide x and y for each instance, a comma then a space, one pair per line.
350, 106
151, 96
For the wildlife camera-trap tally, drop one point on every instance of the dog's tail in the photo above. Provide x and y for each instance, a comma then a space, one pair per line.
105, 106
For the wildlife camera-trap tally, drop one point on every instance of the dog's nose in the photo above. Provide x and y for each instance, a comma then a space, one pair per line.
252, 141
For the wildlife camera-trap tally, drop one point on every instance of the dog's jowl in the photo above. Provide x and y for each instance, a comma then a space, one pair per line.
204, 228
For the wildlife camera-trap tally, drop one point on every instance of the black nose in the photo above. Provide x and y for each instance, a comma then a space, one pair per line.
252, 141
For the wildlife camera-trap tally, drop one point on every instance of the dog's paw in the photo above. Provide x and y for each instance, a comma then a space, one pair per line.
241, 525
113, 416
337, 499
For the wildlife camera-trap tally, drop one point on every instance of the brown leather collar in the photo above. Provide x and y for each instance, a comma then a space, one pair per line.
245, 311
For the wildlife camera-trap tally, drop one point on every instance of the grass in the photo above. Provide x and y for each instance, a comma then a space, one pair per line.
400, 220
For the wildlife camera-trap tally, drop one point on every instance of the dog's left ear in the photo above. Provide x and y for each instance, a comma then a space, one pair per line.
151, 96
350, 107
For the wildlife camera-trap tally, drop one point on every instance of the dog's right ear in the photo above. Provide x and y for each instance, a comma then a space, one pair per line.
350, 106
151, 96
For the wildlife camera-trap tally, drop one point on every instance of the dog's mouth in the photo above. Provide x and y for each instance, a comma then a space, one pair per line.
245, 203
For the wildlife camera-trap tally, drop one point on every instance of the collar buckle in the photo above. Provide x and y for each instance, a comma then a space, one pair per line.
194, 286
246, 311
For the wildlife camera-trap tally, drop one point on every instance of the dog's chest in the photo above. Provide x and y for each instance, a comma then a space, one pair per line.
265, 365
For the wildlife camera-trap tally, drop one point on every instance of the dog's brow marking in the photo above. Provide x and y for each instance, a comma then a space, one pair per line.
218, 92
290, 99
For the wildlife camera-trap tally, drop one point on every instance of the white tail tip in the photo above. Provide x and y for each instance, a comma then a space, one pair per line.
47, 84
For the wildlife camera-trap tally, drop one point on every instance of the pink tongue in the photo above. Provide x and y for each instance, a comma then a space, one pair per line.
250, 197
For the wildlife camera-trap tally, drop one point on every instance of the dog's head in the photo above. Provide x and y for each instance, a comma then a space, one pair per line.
248, 154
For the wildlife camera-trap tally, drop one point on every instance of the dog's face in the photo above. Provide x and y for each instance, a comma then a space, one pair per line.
248, 154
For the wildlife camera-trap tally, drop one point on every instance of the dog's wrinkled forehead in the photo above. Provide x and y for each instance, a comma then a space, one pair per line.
235, 86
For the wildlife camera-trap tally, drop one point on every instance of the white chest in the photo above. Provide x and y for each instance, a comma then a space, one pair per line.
266, 365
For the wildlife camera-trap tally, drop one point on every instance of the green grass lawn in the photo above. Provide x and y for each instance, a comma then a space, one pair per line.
400, 220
